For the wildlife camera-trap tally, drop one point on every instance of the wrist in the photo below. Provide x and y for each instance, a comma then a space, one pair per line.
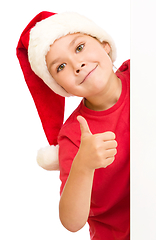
80, 166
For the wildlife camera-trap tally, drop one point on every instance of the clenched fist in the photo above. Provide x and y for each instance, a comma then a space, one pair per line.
96, 150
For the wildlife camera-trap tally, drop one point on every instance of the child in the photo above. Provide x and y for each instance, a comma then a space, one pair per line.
73, 56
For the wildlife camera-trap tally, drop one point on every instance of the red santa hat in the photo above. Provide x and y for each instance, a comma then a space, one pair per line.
49, 97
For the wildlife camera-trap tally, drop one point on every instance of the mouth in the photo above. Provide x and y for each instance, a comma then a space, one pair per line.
88, 75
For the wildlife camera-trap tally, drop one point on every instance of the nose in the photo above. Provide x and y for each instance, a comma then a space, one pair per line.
81, 66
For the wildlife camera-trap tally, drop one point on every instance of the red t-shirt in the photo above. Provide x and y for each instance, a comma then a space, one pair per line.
109, 217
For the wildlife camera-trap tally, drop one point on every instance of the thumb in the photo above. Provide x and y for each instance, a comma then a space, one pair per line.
85, 131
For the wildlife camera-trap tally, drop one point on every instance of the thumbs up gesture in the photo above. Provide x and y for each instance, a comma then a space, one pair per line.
96, 150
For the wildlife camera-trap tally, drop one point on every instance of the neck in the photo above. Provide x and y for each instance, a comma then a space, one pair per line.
106, 98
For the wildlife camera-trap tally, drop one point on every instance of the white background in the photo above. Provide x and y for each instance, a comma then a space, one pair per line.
143, 120
30, 195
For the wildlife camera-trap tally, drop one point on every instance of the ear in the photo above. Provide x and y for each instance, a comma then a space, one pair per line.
106, 47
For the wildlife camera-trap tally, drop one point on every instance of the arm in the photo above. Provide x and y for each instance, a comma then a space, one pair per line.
75, 199
95, 151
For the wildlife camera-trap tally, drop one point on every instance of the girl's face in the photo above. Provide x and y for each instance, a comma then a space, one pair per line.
80, 64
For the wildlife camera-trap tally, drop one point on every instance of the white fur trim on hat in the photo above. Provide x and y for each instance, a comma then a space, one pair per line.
47, 158
48, 30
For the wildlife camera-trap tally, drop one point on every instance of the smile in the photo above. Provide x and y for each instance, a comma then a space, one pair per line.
88, 75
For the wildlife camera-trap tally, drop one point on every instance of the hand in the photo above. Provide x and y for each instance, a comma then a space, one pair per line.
96, 150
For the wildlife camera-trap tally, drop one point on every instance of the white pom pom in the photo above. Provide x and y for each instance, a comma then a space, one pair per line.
47, 158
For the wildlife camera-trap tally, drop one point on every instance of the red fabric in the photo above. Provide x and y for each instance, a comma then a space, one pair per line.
50, 106
110, 202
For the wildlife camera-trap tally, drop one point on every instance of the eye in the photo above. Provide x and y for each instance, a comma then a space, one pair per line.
79, 48
61, 67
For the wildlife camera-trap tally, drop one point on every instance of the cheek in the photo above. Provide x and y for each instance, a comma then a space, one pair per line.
105, 62
107, 65
60, 78
64, 81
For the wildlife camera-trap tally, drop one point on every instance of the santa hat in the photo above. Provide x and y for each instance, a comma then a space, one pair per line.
49, 97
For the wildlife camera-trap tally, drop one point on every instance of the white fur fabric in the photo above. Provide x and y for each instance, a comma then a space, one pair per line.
47, 158
48, 30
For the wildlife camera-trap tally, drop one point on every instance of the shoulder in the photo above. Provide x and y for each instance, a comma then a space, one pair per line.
71, 128
124, 70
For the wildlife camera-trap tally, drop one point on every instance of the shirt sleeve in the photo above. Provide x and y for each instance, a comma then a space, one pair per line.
67, 152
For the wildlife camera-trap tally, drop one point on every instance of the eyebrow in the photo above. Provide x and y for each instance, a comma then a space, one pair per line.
53, 62
74, 40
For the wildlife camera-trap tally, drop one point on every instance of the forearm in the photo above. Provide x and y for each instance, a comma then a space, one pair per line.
75, 199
